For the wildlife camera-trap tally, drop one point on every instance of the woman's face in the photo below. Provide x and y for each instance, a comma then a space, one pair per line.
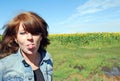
27, 42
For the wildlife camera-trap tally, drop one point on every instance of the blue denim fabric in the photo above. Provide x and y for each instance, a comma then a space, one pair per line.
14, 68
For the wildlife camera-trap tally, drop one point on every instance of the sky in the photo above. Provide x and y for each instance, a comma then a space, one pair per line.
67, 16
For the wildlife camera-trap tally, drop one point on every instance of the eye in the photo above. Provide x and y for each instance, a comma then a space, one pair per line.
22, 32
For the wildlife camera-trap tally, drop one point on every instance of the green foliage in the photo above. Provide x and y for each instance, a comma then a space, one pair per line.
85, 40
82, 61
0, 37
72, 57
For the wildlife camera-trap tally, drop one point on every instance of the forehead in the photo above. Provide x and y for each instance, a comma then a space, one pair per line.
21, 28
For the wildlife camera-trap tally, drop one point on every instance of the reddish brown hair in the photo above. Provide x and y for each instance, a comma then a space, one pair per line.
32, 23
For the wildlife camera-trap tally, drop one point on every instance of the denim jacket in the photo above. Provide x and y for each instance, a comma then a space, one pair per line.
14, 68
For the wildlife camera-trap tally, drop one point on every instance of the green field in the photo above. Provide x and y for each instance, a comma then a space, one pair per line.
74, 61
84, 57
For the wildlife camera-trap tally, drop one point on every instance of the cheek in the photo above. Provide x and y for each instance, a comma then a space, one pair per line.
20, 41
38, 40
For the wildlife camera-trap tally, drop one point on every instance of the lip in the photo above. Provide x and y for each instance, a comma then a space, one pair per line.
30, 46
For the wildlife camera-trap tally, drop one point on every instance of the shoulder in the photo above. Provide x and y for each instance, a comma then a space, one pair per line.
48, 55
1, 65
48, 58
45, 55
4, 62
8, 59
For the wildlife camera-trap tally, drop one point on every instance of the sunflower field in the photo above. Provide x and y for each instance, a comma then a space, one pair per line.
86, 40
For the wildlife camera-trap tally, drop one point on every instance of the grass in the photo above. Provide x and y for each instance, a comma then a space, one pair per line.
83, 57
82, 62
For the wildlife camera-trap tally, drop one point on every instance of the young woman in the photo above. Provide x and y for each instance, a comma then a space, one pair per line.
23, 55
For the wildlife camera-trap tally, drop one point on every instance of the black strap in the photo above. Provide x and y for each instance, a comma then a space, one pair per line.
38, 75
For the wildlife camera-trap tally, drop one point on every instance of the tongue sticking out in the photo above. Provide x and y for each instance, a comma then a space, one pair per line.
31, 46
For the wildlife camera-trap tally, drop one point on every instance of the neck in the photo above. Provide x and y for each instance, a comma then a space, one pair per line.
32, 59
29, 56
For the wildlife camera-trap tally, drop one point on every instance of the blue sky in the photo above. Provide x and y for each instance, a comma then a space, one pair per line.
68, 16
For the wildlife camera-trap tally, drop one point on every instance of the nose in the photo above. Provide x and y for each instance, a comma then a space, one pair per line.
29, 36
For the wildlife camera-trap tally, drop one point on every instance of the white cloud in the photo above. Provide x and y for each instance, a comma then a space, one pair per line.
91, 7
93, 16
